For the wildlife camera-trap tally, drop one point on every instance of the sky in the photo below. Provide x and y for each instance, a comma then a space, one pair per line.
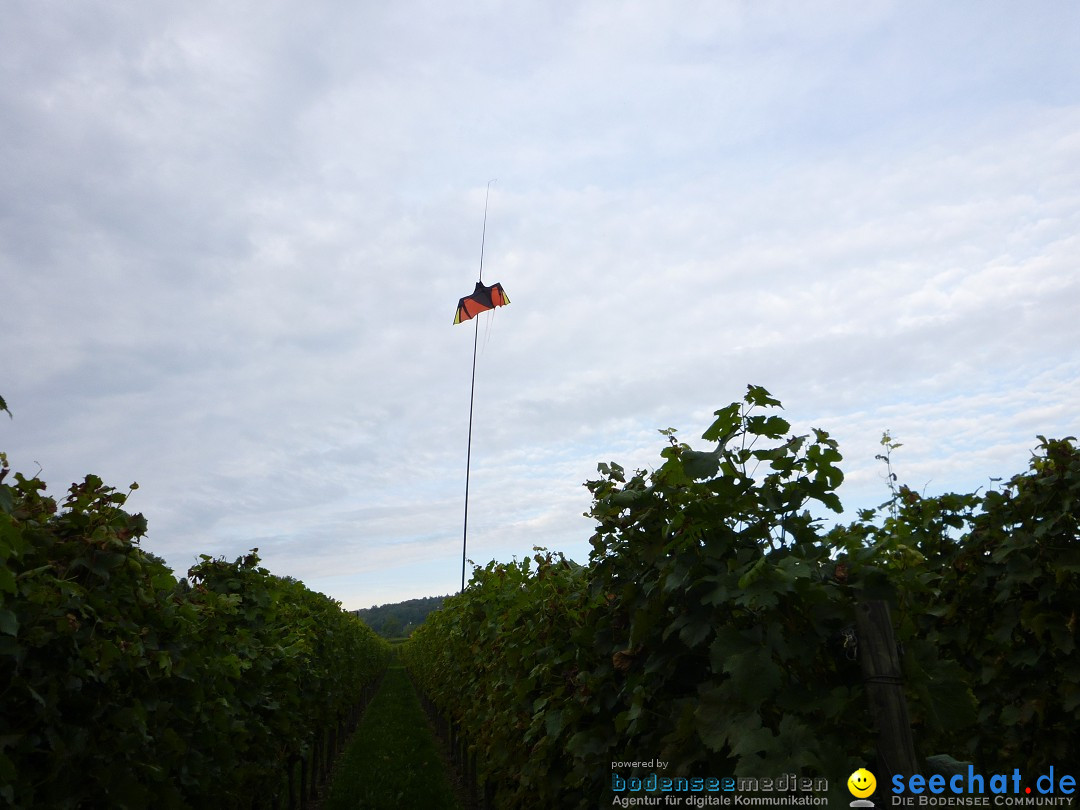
233, 236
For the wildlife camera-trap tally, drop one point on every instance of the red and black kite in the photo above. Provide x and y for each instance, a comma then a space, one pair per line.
483, 298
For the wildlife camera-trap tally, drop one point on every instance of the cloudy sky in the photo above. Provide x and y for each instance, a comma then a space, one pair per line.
233, 235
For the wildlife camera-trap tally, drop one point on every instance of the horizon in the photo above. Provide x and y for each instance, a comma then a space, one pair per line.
232, 240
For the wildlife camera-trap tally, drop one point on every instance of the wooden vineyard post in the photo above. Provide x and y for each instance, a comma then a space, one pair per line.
885, 689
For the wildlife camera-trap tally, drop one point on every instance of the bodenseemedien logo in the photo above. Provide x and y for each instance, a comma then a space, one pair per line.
861, 784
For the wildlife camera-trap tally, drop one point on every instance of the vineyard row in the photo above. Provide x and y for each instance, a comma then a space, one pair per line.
714, 625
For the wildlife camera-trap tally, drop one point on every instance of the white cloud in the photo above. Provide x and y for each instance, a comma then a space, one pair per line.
231, 241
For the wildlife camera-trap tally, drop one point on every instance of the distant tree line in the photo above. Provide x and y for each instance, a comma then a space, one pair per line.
400, 618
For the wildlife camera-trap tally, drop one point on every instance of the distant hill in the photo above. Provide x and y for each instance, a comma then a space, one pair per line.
400, 618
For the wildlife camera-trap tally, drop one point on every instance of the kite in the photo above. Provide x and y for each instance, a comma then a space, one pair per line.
482, 299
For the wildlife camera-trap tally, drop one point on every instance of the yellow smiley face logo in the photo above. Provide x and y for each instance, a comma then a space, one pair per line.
861, 783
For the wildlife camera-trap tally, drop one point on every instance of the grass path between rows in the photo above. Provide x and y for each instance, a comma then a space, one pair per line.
393, 759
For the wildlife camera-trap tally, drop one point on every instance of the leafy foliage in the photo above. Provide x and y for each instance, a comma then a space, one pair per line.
990, 584
499, 658
713, 627
123, 687
721, 601
1013, 618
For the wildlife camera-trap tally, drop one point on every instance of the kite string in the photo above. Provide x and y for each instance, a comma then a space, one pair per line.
483, 239
483, 234
487, 330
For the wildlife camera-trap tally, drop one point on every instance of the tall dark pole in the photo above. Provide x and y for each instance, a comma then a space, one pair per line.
468, 454
472, 394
